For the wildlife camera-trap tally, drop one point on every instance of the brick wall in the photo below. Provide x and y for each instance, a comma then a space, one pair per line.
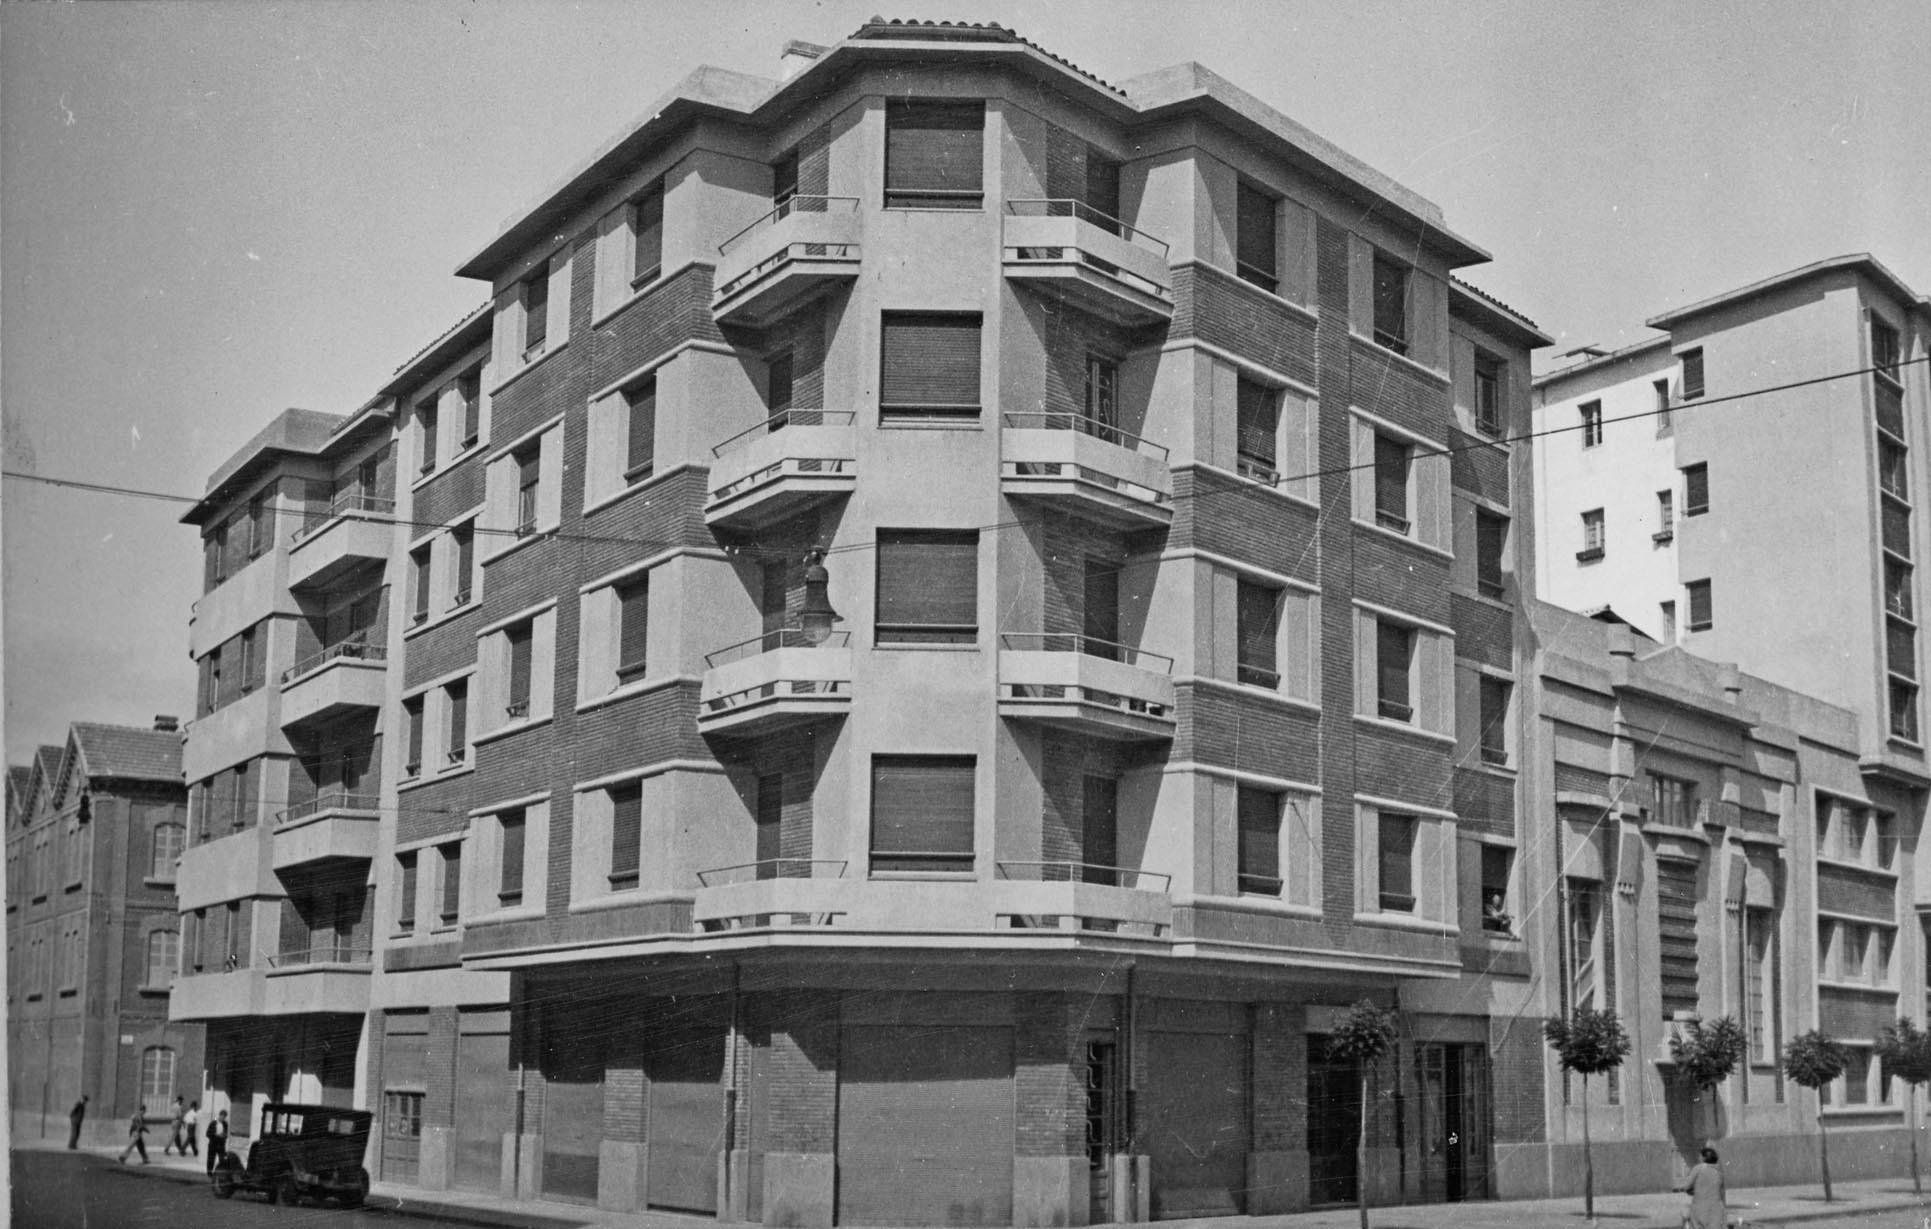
1049, 1091
1334, 450
1229, 730
802, 1071
1228, 516
1224, 311
1516, 1064
1280, 1077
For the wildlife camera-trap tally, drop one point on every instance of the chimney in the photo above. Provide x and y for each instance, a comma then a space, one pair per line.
167, 723
797, 56
1622, 641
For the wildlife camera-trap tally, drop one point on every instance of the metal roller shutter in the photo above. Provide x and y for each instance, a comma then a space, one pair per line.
1194, 1123
485, 1094
686, 1122
925, 1126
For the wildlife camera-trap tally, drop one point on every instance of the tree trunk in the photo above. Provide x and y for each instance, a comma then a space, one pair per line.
1588, 1162
1823, 1153
1361, 1155
1917, 1184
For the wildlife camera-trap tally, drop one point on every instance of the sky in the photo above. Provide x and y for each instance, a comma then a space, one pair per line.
212, 211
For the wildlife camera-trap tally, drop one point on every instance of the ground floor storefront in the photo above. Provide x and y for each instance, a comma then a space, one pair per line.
251, 1062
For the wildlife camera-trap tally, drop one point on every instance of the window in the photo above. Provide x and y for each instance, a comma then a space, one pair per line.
521, 643
449, 898
164, 957
1494, 739
929, 368
516, 663
1701, 617
1488, 394
1891, 469
641, 452
1762, 1021
1391, 461
469, 389
1255, 256
253, 670
1857, 1075
928, 587
922, 813
1667, 611
1396, 846
1584, 926
1394, 660
1903, 698
419, 575
1591, 414
1696, 489
1257, 428
1692, 374
1491, 547
169, 839
1257, 621
157, 1076
509, 885
456, 721
1900, 648
1884, 838
626, 834
1100, 416
633, 624
536, 312
402, 1114
1884, 348
1665, 517
1592, 536
463, 539
1259, 841
933, 156
647, 235
1665, 420
426, 435
1672, 801
1496, 863
1390, 304
406, 892
529, 478
412, 718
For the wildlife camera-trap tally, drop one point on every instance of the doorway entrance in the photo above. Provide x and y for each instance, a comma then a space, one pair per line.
1455, 1121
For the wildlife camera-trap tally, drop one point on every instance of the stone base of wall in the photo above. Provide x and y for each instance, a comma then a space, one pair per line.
798, 1189
1541, 1171
1049, 1190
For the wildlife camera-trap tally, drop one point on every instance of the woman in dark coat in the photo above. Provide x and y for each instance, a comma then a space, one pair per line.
1704, 1186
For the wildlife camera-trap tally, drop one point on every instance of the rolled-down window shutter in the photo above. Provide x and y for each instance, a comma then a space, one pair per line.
458, 721
642, 452
928, 587
626, 834
922, 813
1254, 249
1257, 626
933, 156
633, 618
930, 366
647, 222
1257, 428
519, 691
1260, 841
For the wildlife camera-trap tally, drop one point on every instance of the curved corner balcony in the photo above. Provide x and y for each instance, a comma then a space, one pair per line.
1089, 686
788, 463
330, 977
353, 532
803, 246
1098, 263
340, 679
820, 901
775, 680
333, 826
1087, 468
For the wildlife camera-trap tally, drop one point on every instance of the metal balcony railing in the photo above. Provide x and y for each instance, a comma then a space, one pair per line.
352, 650
327, 800
782, 638
1032, 420
1090, 646
1063, 207
784, 209
326, 953
349, 503
1084, 872
773, 868
781, 420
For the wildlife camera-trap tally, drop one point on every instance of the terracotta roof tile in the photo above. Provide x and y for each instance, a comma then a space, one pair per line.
129, 752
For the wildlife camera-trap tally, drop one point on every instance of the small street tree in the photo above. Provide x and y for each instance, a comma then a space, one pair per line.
1588, 1043
1706, 1054
1905, 1051
1813, 1060
1363, 1035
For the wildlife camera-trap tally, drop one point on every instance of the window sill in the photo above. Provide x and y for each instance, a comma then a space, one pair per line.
1403, 538
1592, 555
425, 477
964, 422
447, 774
1497, 601
158, 883
626, 897
1252, 691
539, 534
1508, 772
1273, 296
892, 646
447, 616
1414, 365
642, 686
638, 288
1402, 727
1857, 987
1404, 921
657, 478
529, 366
510, 730
1860, 868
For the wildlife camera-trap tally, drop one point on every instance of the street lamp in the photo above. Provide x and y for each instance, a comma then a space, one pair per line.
816, 616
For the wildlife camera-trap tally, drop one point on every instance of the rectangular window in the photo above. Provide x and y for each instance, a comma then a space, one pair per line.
1857, 1075
1257, 428
1590, 413
463, 537
1904, 710
633, 620
1256, 622
1901, 648
449, 905
509, 889
1391, 462
922, 813
1884, 348
1396, 843
1390, 304
928, 587
1100, 416
641, 457
626, 834
406, 892
402, 1114
1394, 666
1696, 489
1665, 420
1491, 547
647, 235
1494, 740
469, 387
1496, 864
1665, 517
1488, 395
529, 476
419, 584
1702, 617
1259, 841
412, 720
456, 703
929, 368
1585, 943
933, 157
1667, 611
426, 435
1672, 801
521, 642
536, 311
1592, 536
1760, 984
1891, 469
1255, 257
1692, 374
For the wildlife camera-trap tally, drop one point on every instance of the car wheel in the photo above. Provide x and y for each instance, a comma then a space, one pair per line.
224, 1183
357, 1191
286, 1191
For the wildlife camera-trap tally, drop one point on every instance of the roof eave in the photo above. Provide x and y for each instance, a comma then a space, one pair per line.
1863, 261
1502, 320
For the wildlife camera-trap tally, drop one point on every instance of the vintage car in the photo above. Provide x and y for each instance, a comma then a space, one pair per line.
312, 1150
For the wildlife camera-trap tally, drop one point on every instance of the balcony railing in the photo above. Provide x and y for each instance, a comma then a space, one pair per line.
327, 953
328, 800
781, 420
1061, 207
773, 868
783, 210
782, 638
1029, 420
348, 503
1085, 872
353, 650
1090, 646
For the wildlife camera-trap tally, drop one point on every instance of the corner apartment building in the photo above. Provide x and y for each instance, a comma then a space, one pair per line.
1714, 850
93, 830
948, 617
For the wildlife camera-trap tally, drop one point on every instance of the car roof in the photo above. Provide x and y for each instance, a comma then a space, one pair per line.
291, 1107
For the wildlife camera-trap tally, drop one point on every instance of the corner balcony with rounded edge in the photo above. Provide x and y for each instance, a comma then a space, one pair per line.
1085, 467
805, 245
783, 466
1086, 685
1036, 903
1098, 263
355, 531
327, 977
334, 826
342, 678
781, 678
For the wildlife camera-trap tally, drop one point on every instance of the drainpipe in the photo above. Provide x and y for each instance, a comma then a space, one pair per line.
731, 1042
516, 1147
1131, 1109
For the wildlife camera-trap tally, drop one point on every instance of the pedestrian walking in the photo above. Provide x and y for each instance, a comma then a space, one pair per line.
76, 1116
190, 1134
137, 1130
174, 1143
1704, 1186
217, 1141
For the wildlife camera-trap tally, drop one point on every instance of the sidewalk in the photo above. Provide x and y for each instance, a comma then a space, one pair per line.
1661, 1210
